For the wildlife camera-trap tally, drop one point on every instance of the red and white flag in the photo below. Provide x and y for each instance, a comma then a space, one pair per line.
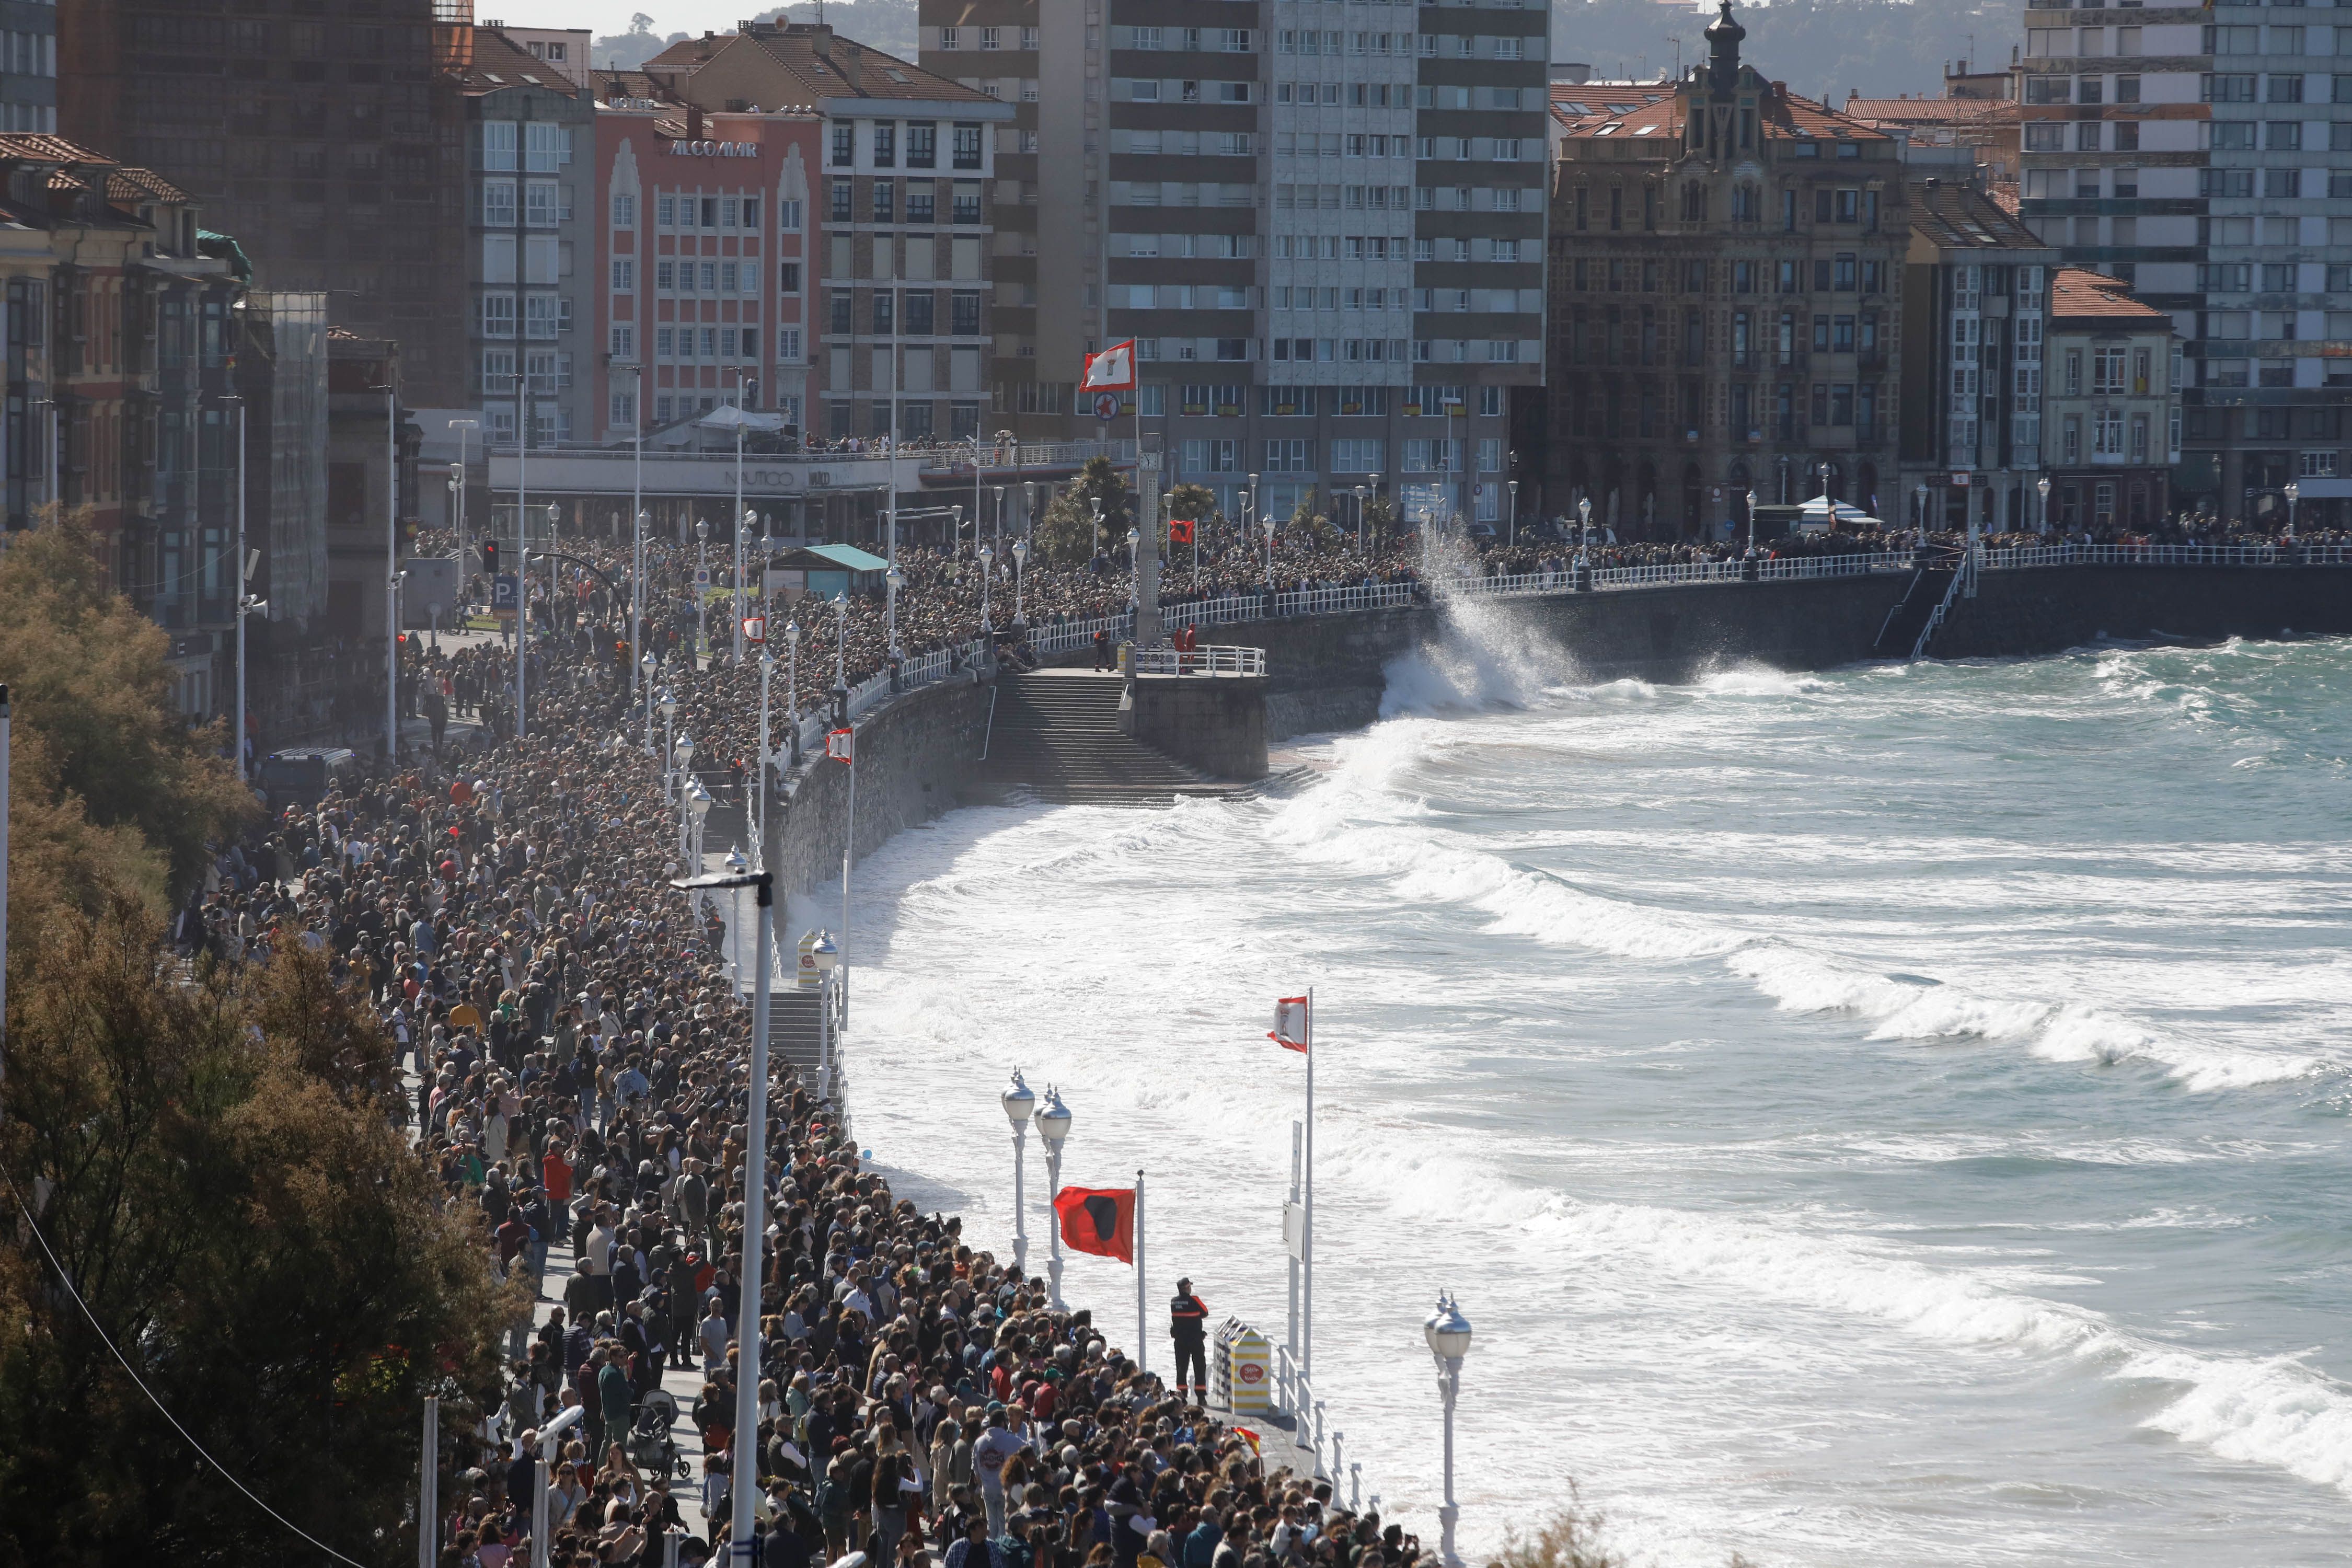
755, 628
1113, 370
841, 745
1289, 1029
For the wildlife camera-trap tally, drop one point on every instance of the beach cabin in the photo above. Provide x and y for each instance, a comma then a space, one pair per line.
826, 570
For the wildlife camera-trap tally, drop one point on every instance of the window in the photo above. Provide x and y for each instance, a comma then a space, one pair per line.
991, 37
2107, 434
2317, 465
2287, 90
967, 146
1286, 457
546, 147
2226, 183
498, 145
886, 144
788, 345
538, 203
625, 343
2283, 136
788, 216
844, 145
844, 210
497, 204
625, 211
964, 313
885, 201
788, 277
2221, 89
497, 316
2282, 185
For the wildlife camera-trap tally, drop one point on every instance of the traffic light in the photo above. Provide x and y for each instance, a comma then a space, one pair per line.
490, 557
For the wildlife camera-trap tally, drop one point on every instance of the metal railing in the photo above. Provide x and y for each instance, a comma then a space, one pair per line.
1219, 660
1294, 1396
2280, 554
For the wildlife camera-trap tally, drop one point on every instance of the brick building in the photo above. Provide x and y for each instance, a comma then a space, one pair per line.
1726, 300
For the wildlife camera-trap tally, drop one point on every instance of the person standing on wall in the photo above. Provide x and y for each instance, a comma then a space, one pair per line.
1188, 1325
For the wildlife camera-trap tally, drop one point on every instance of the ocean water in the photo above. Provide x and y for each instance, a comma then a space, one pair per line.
1890, 1116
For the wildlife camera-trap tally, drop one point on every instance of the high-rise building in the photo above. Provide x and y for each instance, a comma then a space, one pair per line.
28, 65
1321, 223
1976, 306
2184, 150
1726, 300
531, 241
330, 146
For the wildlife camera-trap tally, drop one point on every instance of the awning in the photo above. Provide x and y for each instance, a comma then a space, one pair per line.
830, 558
727, 416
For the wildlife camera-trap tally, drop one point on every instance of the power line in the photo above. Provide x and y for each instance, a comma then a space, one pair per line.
150, 1393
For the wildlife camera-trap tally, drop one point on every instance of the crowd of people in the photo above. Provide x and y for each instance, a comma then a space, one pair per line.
580, 1087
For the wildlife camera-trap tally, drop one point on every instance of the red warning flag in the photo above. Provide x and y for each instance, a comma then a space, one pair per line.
1100, 1220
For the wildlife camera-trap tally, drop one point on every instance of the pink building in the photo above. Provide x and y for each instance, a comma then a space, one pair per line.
704, 227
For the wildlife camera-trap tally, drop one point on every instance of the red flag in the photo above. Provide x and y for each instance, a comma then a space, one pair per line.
1290, 1024
1179, 531
841, 745
1100, 1220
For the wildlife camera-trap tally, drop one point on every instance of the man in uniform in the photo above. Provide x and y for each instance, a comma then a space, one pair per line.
1188, 1325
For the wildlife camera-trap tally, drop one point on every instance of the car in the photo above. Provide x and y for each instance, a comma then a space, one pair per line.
300, 775
1482, 533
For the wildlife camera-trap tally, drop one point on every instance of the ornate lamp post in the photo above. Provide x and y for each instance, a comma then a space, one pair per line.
1053, 1119
1019, 1100
1448, 1333
1020, 559
987, 569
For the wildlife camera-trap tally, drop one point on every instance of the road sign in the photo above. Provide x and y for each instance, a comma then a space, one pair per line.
1106, 404
702, 576
502, 594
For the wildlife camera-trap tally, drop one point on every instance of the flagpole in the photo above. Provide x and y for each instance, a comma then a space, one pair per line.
1142, 1309
1307, 1263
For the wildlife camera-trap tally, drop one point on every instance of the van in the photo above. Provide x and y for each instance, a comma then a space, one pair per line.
300, 775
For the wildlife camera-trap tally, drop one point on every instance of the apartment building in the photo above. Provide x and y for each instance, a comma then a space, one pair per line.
530, 241
2185, 150
1320, 221
1975, 299
1726, 300
564, 49
329, 144
896, 233
28, 65
2112, 406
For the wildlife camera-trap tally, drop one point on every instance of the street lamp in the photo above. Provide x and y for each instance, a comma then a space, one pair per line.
792, 686
987, 569
2294, 493
1922, 493
892, 580
1020, 559
701, 587
1052, 1120
743, 521
1019, 1100
554, 516
695, 804
1135, 570
638, 604
760, 809
1513, 486
1585, 520
1096, 502
1448, 1333
2042, 487
1361, 495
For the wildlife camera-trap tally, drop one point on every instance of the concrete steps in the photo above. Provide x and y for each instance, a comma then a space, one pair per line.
796, 1032
1056, 735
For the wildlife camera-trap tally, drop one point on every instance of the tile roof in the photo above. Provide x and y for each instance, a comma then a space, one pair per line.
129, 185
1962, 217
43, 148
2078, 295
1933, 110
1784, 116
813, 65
498, 62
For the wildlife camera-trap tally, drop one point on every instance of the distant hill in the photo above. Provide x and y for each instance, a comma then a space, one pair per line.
1821, 49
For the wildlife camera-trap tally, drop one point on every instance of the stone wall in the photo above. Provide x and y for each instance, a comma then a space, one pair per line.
1214, 722
912, 753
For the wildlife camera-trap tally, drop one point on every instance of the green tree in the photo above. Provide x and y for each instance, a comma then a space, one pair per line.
1066, 534
1198, 502
212, 1165
103, 747
1309, 526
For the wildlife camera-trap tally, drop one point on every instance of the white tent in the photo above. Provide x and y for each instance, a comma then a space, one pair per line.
727, 416
1823, 514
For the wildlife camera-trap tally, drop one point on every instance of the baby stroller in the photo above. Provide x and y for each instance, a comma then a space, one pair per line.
648, 1444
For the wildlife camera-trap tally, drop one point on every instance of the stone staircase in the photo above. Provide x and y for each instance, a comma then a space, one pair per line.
1056, 735
796, 1031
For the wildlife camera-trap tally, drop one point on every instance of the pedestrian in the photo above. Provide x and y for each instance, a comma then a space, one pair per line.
1188, 1326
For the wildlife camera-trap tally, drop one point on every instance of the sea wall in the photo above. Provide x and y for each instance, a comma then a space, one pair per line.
1215, 722
1329, 672
912, 753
